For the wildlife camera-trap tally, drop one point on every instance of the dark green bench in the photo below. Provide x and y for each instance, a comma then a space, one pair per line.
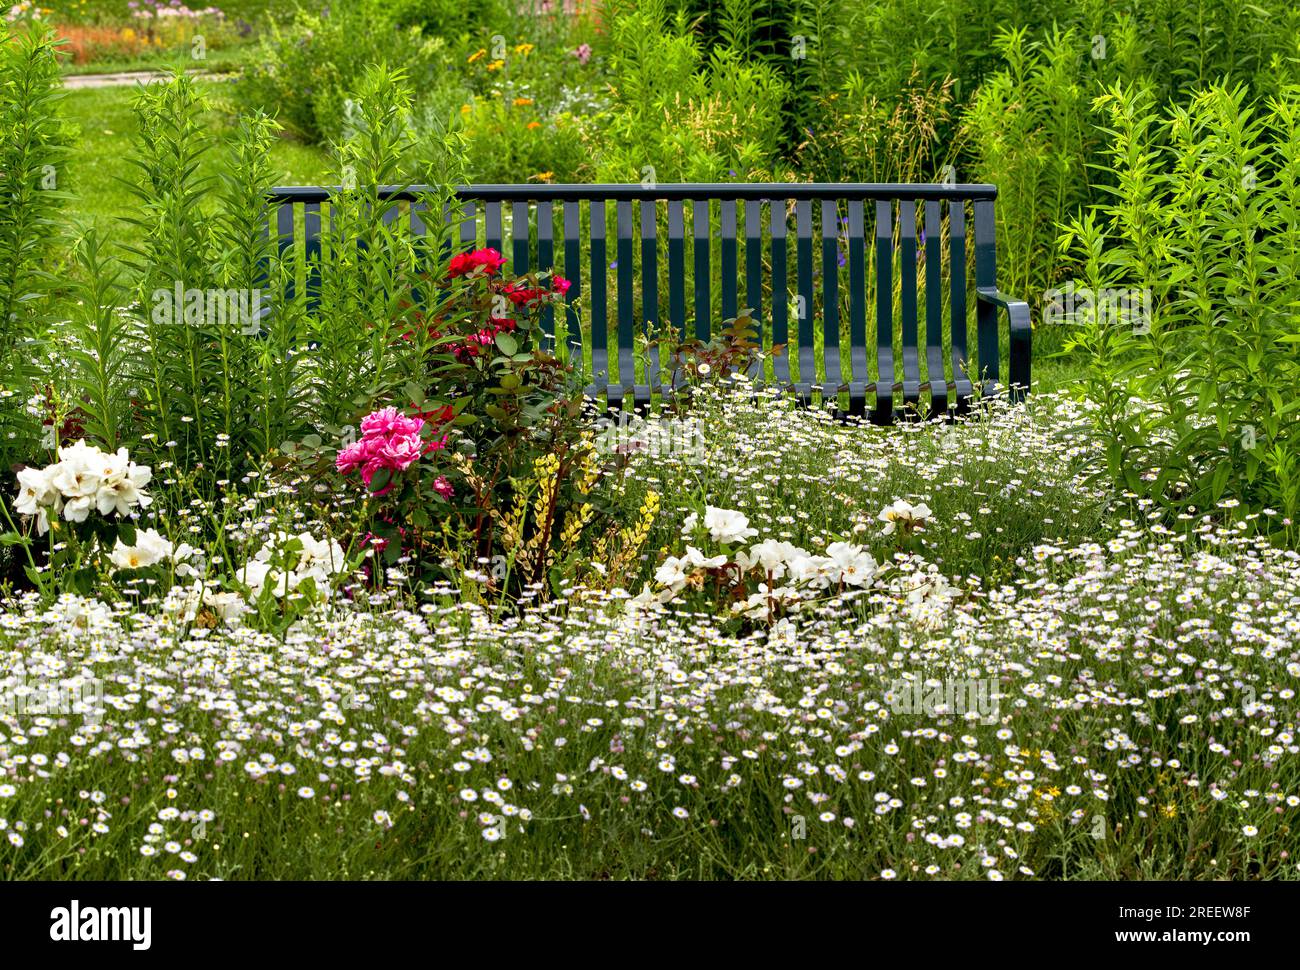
719, 249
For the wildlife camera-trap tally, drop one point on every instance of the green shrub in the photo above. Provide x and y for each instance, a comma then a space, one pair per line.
309, 67
859, 138
449, 18
677, 118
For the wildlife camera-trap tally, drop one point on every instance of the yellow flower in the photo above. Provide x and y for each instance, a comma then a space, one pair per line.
476, 55
496, 65
534, 124
542, 177
128, 34
464, 109
521, 102
1170, 810
524, 49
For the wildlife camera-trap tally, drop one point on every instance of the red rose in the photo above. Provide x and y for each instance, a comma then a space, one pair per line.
463, 264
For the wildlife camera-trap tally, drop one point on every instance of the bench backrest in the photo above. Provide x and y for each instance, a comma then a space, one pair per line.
807, 259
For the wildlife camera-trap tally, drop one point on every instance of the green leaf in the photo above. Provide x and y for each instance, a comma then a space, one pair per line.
83, 580
507, 344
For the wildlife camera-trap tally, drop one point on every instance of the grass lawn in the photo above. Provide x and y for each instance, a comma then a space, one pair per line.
224, 60
97, 166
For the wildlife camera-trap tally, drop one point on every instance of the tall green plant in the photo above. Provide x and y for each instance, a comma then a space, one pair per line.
1197, 404
363, 341
211, 389
1032, 134
33, 148
101, 337
263, 399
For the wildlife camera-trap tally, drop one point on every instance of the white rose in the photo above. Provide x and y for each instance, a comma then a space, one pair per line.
771, 555
228, 606
35, 490
256, 575
856, 566
671, 574
903, 513
817, 571
121, 482
726, 525
699, 560
150, 547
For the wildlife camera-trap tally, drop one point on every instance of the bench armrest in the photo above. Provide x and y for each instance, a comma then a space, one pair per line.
1020, 336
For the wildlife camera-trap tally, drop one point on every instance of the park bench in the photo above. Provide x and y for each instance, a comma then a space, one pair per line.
715, 250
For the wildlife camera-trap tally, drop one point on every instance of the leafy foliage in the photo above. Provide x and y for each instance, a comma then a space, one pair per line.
1203, 216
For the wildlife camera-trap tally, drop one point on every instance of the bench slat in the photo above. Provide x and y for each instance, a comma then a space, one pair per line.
831, 296
573, 273
884, 412
285, 240
957, 303
468, 227
700, 232
858, 309
754, 264
492, 225
520, 233
546, 260
624, 258
650, 286
727, 226
907, 301
780, 295
804, 276
599, 325
934, 371
986, 315
677, 269
311, 251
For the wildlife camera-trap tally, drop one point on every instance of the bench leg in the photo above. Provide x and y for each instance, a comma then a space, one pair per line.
883, 412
